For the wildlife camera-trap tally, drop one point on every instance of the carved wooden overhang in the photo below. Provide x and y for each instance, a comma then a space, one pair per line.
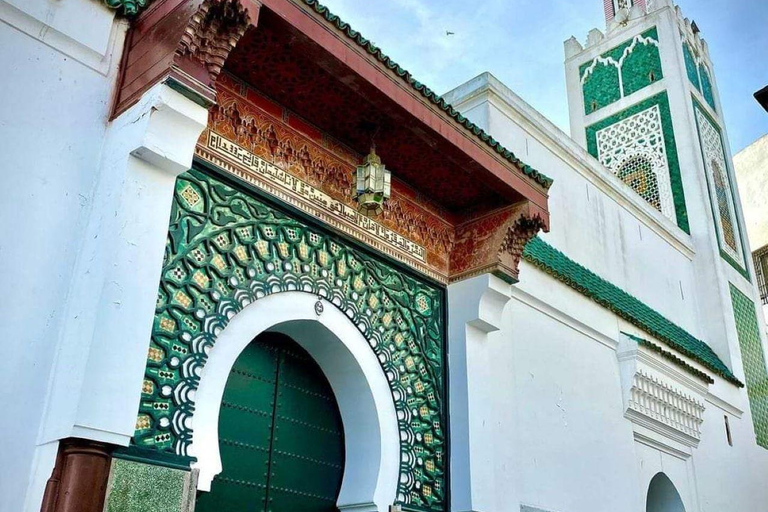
299, 101
183, 43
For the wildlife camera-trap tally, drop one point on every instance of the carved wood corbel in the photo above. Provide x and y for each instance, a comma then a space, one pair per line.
494, 243
185, 44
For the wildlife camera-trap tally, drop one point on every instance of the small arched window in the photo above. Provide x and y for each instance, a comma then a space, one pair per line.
637, 172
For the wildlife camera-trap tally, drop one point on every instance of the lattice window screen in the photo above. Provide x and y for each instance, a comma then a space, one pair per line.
720, 185
634, 150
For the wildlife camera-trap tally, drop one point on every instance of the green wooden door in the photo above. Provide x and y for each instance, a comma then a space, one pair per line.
280, 434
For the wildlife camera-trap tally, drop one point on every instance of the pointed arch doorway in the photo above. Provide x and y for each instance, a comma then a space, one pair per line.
280, 433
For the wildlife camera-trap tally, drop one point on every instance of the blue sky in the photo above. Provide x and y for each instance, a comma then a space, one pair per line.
521, 43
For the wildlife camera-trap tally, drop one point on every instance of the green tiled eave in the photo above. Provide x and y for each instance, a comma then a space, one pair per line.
586, 282
132, 7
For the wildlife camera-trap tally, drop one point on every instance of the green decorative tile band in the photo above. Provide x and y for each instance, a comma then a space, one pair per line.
636, 141
691, 68
227, 249
624, 305
619, 72
698, 74
753, 360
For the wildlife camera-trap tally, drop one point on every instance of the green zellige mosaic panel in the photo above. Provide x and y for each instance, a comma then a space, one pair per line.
227, 249
619, 72
691, 68
753, 360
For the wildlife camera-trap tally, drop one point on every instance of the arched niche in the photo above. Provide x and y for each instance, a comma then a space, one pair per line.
370, 424
663, 496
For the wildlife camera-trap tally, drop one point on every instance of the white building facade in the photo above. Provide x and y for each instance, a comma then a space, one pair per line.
751, 165
534, 322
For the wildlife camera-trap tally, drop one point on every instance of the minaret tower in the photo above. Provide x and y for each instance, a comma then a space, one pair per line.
643, 101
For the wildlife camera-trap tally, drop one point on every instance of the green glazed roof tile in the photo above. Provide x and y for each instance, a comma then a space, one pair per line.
583, 280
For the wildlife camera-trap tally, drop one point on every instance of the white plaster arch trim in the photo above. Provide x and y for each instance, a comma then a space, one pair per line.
365, 401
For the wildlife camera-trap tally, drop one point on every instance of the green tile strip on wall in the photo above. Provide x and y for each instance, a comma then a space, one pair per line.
753, 360
675, 178
690, 66
672, 358
586, 282
640, 66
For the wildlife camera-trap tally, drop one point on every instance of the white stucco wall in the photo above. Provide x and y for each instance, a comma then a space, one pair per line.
56, 89
751, 166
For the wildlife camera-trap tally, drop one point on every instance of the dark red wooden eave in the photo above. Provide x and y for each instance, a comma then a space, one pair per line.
503, 177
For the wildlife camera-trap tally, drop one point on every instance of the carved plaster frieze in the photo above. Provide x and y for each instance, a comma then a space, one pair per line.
660, 397
249, 137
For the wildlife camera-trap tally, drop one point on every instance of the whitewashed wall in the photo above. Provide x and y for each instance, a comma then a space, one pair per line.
57, 84
546, 425
751, 165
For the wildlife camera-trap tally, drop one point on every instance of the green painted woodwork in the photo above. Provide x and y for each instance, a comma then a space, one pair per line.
131, 7
624, 305
280, 434
139, 487
635, 63
226, 249
720, 195
675, 178
753, 361
706, 87
690, 66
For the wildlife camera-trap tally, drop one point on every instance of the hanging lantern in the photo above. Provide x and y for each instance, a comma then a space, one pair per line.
373, 185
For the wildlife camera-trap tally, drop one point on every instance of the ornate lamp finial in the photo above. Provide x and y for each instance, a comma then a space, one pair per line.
373, 185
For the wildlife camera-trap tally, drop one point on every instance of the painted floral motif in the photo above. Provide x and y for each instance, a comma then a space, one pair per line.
226, 249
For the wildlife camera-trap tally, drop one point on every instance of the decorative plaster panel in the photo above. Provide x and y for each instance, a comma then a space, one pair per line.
657, 396
638, 145
634, 150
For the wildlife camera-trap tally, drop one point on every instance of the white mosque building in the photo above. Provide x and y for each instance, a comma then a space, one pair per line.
252, 264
